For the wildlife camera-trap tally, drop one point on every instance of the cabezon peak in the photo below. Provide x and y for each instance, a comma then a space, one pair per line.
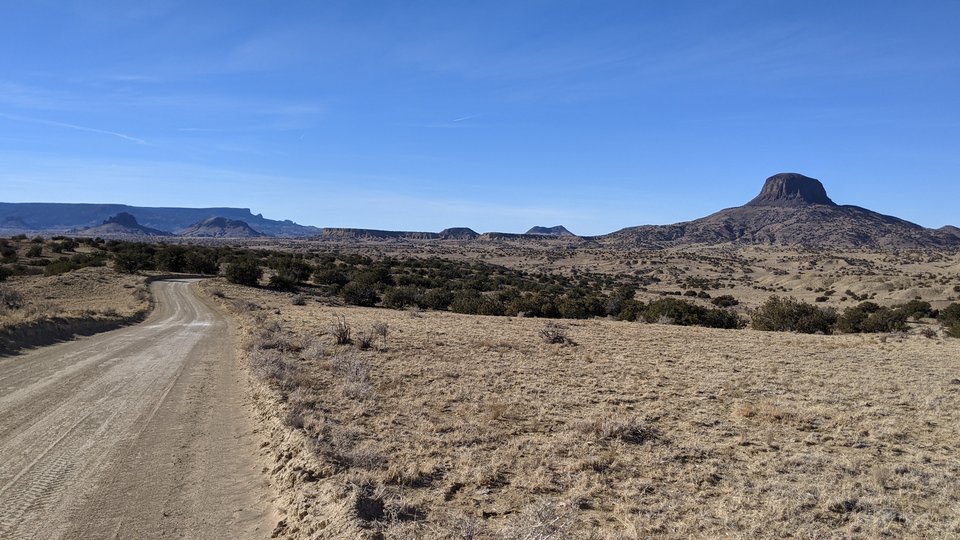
791, 189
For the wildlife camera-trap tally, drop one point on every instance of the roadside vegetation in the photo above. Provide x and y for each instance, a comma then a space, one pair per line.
469, 287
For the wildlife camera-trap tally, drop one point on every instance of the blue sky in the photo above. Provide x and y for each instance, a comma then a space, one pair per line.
492, 115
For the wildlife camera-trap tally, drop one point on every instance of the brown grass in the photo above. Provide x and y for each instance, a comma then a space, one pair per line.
473, 427
95, 292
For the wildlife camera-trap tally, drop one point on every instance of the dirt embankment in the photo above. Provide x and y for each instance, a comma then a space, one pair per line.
49, 331
309, 507
51, 309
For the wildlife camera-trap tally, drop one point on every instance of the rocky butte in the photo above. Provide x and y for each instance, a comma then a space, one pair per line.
791, 189
790, 210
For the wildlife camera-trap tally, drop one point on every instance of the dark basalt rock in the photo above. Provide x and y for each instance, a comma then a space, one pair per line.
791, 189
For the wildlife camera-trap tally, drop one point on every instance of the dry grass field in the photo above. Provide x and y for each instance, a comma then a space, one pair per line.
455, 426
87, 293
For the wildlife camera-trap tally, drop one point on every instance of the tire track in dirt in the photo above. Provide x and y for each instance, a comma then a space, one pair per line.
75, 417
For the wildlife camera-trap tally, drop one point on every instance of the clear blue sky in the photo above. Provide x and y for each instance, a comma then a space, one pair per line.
492, 115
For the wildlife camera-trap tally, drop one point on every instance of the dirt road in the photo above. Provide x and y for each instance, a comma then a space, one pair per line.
141, 432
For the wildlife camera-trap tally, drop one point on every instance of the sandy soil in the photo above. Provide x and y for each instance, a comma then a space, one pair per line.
138, 433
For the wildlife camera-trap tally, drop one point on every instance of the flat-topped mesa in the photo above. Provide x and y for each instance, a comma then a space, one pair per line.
791, 189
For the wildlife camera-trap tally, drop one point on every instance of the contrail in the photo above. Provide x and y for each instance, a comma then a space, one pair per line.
72, 126
466, 118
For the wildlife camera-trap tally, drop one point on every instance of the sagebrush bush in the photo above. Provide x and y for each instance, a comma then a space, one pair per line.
554, 333
791, 315
9, 298
341, 331
243, 272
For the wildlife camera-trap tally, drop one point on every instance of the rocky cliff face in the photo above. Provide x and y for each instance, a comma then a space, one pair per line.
791, 189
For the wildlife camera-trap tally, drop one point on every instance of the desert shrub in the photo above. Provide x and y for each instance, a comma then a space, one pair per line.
917, 309
198, 261
270, 335
65, 264
471, 302
885, 320
4, 273
619, 299
271, 366
133, 261
376, 276
554, 333
360, 293
244, 272
956, 288
8, 254
298, 300
65, 244
380, 329
341, 331
35, 251
364, 340
852, 318
171, 258
632, 311
438, 299
403, 296
684, 313
355, 374
725, 301
330, 276
292, 269
953, 330
928, 333
791, 315
950, 315
37, 240
580, 308
9, 298
282, 282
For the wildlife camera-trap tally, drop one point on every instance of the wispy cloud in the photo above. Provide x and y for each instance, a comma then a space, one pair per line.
54, 123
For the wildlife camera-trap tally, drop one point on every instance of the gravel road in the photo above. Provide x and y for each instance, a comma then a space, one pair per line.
142, 432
